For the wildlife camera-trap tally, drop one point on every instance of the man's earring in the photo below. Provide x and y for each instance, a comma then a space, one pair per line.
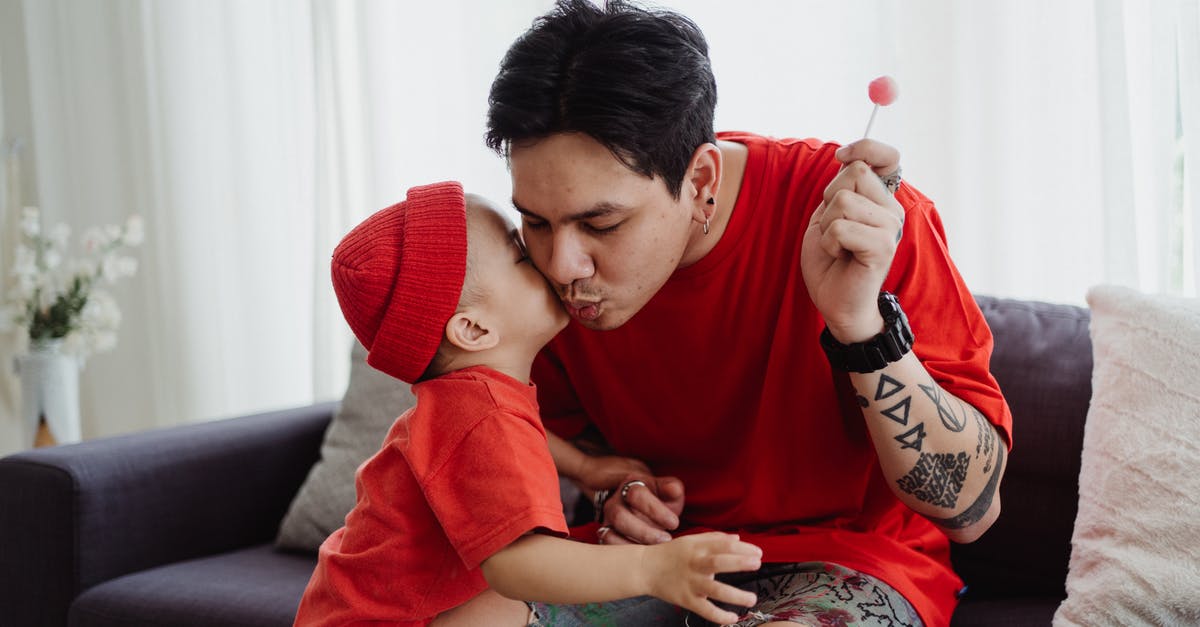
711, 200
705, 227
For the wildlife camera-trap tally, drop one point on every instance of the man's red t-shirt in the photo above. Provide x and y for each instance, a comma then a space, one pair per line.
461, 475
720, 381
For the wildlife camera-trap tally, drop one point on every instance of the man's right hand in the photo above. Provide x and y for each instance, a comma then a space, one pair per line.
647, 512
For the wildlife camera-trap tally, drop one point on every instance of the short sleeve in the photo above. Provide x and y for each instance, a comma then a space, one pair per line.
952, 338
497, 485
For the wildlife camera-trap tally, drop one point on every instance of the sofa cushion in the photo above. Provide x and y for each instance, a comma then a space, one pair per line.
256, 587
1136, 547
372, 403
1043, 362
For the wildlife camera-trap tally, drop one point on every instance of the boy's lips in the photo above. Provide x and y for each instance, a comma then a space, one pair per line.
583, 310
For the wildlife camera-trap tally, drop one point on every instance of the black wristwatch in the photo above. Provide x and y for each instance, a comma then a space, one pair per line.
877, 352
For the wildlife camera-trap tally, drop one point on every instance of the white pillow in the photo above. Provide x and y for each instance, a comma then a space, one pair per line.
372, 403
1135, 551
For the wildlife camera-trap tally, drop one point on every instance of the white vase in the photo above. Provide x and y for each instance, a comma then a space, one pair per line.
49, 391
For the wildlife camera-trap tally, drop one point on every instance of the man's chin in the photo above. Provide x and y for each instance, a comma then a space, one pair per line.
606, 321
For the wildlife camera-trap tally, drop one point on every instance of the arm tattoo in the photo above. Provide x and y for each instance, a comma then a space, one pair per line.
985, 440
899, 411
945, 409
887, 387
981, 505
937, 478
912, 438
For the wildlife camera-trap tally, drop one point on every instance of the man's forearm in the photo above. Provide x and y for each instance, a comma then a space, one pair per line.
943, 458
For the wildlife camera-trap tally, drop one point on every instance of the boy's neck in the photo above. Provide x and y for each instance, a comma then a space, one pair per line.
516, 364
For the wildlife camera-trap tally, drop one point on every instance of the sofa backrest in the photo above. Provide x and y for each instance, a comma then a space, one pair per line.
1043, 363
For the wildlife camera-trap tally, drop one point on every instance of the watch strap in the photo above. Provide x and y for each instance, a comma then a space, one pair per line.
888, 347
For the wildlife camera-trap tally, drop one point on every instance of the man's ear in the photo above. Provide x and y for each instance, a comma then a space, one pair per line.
470, 331
703, 180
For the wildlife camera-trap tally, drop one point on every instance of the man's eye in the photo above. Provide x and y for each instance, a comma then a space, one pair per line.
536, 225
600, 230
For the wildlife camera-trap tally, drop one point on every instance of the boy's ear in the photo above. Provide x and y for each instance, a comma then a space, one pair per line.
469, 331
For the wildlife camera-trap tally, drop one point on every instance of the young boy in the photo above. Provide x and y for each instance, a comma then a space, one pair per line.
461, 503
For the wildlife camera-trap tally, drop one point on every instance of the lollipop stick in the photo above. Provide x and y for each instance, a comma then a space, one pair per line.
871, 121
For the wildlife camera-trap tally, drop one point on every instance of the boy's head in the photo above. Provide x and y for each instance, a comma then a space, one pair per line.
606, 117
439, 282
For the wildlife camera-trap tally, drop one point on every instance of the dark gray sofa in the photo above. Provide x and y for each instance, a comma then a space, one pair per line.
173, 527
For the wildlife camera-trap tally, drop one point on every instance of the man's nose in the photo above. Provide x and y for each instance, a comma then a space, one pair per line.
569, 260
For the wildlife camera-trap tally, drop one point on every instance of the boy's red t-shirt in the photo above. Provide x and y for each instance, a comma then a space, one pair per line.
719, 380
461, 475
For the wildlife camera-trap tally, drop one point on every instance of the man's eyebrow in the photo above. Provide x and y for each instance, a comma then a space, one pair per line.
598, 210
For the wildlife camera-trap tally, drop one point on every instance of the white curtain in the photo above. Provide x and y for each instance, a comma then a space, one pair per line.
1060, 141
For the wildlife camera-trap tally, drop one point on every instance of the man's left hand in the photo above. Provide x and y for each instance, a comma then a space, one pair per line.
851, 240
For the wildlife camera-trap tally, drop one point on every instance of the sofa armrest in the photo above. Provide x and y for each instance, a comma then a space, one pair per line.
74, 516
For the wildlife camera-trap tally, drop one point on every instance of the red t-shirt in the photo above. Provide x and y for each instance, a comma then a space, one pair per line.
461, 475
720, 380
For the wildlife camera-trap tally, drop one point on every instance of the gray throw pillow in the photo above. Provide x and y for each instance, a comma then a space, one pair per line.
372, 403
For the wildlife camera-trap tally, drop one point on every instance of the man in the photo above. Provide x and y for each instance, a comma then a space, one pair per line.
740, 329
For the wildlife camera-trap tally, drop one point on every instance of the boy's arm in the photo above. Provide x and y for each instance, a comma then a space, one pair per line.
554, 570
592, 472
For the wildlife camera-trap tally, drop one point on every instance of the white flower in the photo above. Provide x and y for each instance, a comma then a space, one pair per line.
100, 312
23, 288
113, 267
129, 266
84, 267
60, 235
24, 262
53, 296
93, 239
135, 231
104, 342
74, 344
51, 258
31, 223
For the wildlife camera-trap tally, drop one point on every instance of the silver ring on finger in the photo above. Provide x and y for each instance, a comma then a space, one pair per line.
891, 182
598, 500
629, 486
601, 533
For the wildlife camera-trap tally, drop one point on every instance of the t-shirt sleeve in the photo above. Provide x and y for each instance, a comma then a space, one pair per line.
497, 485
561, 410
952, 338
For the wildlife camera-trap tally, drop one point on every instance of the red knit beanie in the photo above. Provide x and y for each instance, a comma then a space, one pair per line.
398, 277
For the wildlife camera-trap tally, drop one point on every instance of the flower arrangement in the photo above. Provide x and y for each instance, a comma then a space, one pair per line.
55, 298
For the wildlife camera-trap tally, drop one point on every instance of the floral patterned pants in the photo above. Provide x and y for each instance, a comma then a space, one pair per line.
812, 593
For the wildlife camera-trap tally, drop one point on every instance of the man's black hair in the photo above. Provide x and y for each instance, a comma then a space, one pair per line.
636, 80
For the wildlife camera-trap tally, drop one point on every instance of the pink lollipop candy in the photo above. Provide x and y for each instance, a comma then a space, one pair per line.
883, 92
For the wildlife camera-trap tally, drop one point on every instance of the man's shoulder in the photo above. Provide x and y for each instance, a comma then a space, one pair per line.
767, 145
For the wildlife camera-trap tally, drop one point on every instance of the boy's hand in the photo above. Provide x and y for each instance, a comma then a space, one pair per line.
682, 572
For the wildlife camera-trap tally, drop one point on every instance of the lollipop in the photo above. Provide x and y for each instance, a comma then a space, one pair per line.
883, 92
